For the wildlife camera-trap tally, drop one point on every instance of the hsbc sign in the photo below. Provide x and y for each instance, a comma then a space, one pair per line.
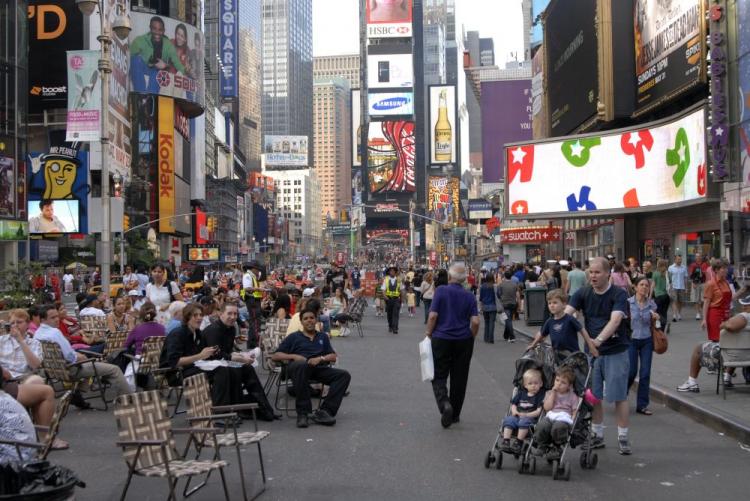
397, 30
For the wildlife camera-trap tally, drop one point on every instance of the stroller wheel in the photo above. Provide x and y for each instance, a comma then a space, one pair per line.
523, 466
498, 460
594, 460
532, 465
566, 471
584, 461
555, 469
488, 459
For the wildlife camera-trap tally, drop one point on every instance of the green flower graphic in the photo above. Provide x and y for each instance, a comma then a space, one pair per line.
578, 151
679, 157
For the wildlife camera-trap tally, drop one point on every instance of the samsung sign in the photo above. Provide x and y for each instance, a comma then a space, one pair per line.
391, 104
228, 48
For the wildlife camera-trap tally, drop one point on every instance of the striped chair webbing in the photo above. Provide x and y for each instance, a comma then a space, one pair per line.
143, 416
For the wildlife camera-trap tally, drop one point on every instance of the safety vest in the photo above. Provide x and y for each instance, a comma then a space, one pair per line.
256, 294
388, 291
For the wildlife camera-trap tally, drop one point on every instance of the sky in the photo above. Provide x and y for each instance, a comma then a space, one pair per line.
336, 30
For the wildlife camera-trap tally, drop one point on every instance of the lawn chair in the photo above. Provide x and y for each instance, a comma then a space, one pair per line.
114, 345
94, 329
269, 342
146, 436
44, 448
200, 412
734, 351
149, 375
356, 311
58, 371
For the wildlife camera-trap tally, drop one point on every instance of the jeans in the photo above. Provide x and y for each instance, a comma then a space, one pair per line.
139, 69
643, 350
489, 326
508, 332
452, 359
427, 304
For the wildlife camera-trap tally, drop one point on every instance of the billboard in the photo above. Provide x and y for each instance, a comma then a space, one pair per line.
286, 151
204, 253
357, 186
743, 21
54, 216
669, 49
387, 236
7, 187
390, 104
442, 199
388, 71
479, 208
661, 164
84, 96
442, 125
510, 104
54, 28
390, 156
228, 55
572, 68
13, 230
388, 18
166, 165
356, 128
166, 58
60, 174
531, 235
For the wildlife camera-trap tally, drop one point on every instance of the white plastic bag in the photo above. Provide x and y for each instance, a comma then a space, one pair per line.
426, 363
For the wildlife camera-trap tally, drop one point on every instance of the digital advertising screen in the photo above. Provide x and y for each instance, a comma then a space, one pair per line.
53, 216
390, 156
385, 104
662, 164
357, 126
388, 18
443, 131
204, 253
389, 71
443, 199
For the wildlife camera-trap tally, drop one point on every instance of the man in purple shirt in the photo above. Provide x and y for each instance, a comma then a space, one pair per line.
452, 325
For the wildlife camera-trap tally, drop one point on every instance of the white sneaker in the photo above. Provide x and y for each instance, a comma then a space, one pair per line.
697, 316
688, 386
679, 317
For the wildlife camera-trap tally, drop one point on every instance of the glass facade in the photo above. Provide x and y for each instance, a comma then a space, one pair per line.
250, 76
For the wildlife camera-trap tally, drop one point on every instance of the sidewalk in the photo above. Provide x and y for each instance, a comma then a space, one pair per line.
730, 416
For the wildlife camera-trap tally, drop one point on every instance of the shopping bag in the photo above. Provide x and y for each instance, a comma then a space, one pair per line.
426, 363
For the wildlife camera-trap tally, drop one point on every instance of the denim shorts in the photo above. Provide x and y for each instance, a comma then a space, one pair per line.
614, 369
515, 422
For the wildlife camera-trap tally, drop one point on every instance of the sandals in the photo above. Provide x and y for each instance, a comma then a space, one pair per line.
645, 412
60, 445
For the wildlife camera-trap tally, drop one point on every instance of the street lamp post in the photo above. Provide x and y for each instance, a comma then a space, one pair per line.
121, 27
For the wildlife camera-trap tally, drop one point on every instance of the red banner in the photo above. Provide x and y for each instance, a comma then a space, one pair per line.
201, 227
531, 235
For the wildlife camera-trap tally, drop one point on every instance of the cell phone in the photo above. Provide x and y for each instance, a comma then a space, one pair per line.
7, 327
384, 71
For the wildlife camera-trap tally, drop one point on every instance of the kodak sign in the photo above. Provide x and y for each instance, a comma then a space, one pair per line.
165, 164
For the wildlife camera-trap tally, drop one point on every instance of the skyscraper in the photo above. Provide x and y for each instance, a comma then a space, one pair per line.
332, 144
249, 82
345, 66
287, 68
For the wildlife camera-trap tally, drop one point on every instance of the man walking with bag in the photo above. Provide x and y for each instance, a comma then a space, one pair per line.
452, 325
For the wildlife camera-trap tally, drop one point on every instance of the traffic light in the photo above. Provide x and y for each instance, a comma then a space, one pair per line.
125, 222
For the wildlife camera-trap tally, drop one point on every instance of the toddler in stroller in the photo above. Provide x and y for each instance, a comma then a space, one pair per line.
560, 405
526, 406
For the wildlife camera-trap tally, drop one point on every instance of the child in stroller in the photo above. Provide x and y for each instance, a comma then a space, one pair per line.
526, 406
560, 405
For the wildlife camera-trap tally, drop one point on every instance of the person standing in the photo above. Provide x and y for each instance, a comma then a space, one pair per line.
661, 296
717, 301
576, 279
68, 283
677, 279
642, 312
253, 297
392, 289
452, 326
508, 293
699, 273
488, 307
604, 307
428, 290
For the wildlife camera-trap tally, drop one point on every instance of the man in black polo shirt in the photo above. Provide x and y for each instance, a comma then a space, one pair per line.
310, 354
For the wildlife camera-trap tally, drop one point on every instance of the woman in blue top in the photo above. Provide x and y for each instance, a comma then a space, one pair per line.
642, 311
488, 307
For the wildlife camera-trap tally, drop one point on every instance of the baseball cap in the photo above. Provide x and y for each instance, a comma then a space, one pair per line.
134, 292
87, 301
610, 257
745, 301
308, 292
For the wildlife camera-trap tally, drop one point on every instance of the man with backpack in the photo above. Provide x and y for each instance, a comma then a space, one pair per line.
699, 273
605, 309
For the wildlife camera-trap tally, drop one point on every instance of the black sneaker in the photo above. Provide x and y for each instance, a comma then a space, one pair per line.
596, 443
302, 421
505, 446
446, 418
516, 446
321, 416
79, 401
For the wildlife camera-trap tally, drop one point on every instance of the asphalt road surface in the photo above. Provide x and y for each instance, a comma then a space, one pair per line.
388, 443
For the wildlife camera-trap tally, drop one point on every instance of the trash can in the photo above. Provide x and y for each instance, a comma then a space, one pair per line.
37, 480
536, 305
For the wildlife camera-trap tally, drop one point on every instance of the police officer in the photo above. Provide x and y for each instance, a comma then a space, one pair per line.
253, 295
392, 291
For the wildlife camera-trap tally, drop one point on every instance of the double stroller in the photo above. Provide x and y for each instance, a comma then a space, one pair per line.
544, 359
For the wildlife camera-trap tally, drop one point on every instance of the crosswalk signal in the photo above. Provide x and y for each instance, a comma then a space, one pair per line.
125, 222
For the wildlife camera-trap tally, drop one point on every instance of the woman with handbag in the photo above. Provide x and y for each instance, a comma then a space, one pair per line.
642, 313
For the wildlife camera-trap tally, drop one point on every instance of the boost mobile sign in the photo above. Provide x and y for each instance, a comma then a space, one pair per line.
228, 48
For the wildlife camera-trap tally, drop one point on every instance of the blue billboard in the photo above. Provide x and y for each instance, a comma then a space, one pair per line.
228, 41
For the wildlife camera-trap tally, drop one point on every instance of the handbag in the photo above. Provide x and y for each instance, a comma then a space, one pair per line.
426, 362
660, 340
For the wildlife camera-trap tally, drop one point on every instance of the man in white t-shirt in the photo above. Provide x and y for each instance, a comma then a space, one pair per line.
91, 306
129, 279
678, 281
68, 283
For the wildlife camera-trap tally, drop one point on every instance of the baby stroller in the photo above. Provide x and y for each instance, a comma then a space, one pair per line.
542, 359
580, 434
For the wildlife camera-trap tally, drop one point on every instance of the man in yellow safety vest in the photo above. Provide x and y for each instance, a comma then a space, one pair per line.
253, 296
392, 291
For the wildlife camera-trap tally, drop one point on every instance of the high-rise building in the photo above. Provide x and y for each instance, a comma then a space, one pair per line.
332, 144
298, 201
249, 78
287, 68
487, 52
344, 66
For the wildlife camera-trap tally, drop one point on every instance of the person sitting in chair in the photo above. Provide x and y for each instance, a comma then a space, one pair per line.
310, 354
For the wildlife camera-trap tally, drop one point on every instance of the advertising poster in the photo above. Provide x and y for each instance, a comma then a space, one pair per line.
228, 40
389, 71
538, 101
743, 21
54, 28
572, 68
480, 208
287, 151
165, 162
13, 230
356, 128
443, 132
357, 186
7, 188
509, 121
644, 168
390, 104
442, 199
669, 49
166, 58
385, 236
388, 18
204, 252
390, 156
120, 150
61, 174
84, 97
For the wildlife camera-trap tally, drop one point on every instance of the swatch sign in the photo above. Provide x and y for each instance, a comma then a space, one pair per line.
391, 104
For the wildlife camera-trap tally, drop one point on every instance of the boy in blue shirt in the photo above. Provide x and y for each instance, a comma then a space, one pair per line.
563, 329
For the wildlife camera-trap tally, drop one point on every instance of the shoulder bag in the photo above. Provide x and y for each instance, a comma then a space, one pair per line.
659, 338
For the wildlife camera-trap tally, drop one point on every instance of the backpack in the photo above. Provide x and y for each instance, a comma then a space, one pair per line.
588, 290
697, 275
